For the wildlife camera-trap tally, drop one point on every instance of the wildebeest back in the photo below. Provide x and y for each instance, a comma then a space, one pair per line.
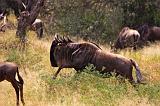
109, 62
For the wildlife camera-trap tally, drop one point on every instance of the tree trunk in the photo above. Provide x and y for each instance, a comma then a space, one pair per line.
27, 18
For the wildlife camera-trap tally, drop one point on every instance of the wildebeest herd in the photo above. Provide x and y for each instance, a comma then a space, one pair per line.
136, 37
65, 53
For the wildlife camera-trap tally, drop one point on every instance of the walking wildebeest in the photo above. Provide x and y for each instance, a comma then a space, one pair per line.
8, 72
65, 53
127, 38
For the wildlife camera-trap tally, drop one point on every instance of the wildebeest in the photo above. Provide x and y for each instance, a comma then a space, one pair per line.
37, 26
154, 33
8, 72
64, 53
127, 38
149, 33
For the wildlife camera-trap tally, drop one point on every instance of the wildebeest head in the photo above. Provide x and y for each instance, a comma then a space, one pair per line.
57, 41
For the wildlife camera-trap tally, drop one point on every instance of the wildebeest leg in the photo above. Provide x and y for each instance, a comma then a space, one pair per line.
39, 32
15, 85
105, 71
120, 78
21, 92
130, 78
55, 75
79, 70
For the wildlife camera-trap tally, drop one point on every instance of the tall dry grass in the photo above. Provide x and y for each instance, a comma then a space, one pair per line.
70, 88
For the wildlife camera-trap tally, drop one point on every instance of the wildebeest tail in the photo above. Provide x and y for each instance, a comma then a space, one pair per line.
138, 73
19, 77
52, 58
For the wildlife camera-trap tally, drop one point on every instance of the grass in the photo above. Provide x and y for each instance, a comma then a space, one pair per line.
70, 88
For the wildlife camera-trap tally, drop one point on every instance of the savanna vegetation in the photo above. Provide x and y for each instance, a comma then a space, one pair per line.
99, 21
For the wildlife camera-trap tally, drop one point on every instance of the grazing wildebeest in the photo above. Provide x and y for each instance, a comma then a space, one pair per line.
37, 26
8, 72
65, 53
127, 38
149, 33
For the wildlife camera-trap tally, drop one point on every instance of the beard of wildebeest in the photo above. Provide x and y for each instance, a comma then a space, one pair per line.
109, 62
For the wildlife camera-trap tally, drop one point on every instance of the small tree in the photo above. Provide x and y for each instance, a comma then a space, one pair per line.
27, 17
